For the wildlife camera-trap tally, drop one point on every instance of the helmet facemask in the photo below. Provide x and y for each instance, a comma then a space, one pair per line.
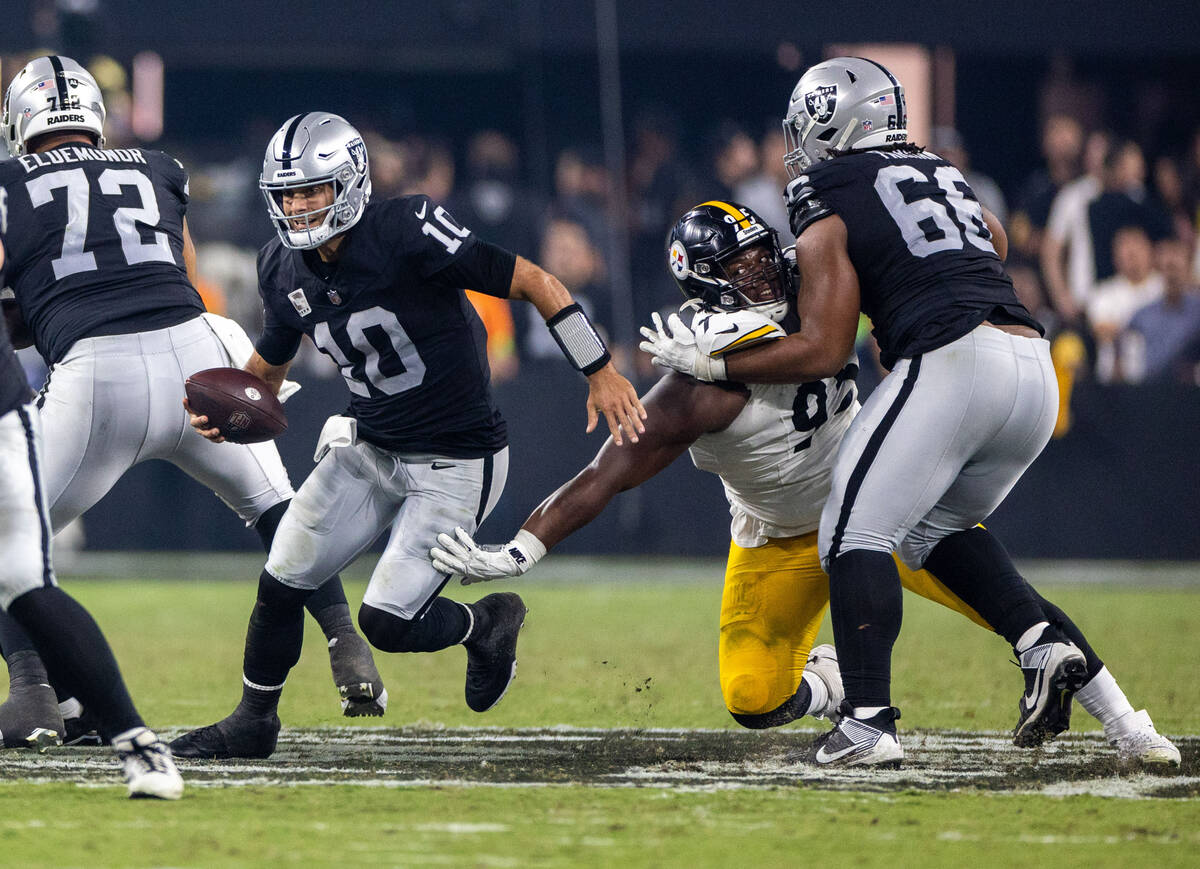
311, 150
324, 222
755, 278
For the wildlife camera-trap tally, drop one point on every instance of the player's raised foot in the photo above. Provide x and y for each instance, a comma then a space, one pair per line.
492, 659
238, 735
823, 663
356, 677
1054, 670
857, 741
29, 718
1137, 742
149, 768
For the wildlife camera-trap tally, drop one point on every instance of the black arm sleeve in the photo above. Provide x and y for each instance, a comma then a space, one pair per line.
482, 267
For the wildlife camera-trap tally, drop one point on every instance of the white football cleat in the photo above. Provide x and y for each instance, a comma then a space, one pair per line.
1137, 742
823, 663
149, 768
859, 742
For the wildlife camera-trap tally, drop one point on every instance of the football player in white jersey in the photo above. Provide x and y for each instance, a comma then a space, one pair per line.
773, 445
103, 272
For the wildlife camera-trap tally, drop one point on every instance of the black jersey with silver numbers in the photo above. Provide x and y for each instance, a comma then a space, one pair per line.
408, 342
95, 243
928, 273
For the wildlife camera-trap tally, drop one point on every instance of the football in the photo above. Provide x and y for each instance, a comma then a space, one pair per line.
238, 403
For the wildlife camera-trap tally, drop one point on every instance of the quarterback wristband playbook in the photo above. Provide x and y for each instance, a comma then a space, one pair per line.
579, 340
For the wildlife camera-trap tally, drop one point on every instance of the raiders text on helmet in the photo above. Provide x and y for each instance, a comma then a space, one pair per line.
699, 250
843, 104
310, 149
51, 94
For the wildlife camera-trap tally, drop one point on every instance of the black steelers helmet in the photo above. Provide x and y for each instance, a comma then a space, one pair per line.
703, 242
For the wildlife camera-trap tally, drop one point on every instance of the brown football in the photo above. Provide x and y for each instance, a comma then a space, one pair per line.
238, 403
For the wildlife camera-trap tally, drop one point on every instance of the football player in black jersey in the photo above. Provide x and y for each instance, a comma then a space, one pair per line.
103, 268
378, 287
65, 634
892, 230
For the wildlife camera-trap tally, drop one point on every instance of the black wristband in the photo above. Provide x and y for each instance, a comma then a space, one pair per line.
578, 339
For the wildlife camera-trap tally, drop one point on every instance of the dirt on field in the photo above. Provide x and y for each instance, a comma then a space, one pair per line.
690, 759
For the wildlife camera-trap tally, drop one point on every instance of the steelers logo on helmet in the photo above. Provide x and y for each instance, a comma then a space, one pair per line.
678, 259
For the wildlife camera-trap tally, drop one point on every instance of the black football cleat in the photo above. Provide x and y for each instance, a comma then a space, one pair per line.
236, 736
492, 659
82, 730
1054, 670
356, 677
29, 718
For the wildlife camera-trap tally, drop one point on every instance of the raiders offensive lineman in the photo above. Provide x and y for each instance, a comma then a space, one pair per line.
102, 267
67, 637
377, 286
773, 446
968, 405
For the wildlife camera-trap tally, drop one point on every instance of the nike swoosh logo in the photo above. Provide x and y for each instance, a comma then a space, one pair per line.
824, 756
421, 214
728, 331
441, 466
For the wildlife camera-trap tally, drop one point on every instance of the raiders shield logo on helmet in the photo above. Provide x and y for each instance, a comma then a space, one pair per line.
821, 103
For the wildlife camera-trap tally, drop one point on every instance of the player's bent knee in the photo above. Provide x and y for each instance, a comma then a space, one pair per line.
748, 694
388, 632
273, 593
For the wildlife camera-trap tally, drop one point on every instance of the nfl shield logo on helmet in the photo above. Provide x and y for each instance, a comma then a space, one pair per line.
821, 103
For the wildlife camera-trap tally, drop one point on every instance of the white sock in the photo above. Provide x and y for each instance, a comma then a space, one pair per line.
70, 708
863, 712
1031, 636
1103, 698
820, 694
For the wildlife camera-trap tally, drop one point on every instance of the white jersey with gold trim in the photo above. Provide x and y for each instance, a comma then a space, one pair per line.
776, 458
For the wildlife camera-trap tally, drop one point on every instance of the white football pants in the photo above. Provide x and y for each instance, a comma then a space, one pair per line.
117, 400
358, 491
939, 444
24, 523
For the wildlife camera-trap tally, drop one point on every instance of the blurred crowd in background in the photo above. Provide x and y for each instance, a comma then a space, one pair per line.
1103, 236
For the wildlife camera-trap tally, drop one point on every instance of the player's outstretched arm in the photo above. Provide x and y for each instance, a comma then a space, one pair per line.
683, 410
609, 392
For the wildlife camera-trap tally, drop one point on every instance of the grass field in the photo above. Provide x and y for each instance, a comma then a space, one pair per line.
613, 747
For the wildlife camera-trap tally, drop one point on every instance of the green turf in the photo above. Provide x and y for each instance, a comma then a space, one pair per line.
606, 652
554, 827
626, 654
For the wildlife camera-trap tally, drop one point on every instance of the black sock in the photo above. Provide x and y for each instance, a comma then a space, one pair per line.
974, 566
444, 624
273, 642
328, 603
786, 712
77, 655
866, 608
1071, 631
13, 637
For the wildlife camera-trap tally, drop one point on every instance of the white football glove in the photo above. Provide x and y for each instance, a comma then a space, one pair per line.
677, 349
475, 563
